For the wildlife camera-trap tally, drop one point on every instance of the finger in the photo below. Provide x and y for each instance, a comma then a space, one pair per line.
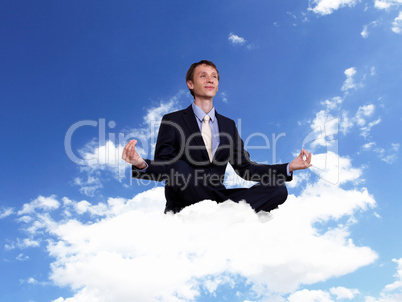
127, 146
131, 152
124, 155
132, 142
303, 153
308, 158
124, 151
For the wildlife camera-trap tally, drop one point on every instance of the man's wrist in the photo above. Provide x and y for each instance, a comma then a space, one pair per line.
290, 168
141, 166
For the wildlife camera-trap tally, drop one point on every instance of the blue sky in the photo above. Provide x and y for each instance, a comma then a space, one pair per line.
79, 79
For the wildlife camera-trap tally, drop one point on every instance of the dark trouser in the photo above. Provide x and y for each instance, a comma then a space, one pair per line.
185, 188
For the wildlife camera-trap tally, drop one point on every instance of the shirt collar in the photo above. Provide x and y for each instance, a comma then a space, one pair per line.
199, 113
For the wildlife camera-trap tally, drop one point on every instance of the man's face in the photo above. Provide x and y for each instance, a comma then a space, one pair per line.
205, 82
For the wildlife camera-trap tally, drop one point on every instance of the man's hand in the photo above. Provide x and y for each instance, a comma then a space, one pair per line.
299, 162
131, 156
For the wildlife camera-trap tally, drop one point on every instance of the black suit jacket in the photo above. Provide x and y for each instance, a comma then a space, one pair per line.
179, 139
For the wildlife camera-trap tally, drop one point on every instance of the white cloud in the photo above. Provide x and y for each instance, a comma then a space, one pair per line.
363, 112
310, 296
339, 293
326, 7
397, 24
329, 121
365, 32
42, 203
385, 4
365, 131
398, 283
298, 178
343, 292
325, 128
154, 114
139, 254
361, 119
330, 167
107, 156
346, 123
5, 212
388, 156
89, 186
236, 40
224, 97
391, 155
368, 146
349, 82
333, 103
22, 257
332, 120
391, 292
22, 244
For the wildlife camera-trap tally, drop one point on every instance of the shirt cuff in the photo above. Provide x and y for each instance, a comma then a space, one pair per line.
287, 170
142, 170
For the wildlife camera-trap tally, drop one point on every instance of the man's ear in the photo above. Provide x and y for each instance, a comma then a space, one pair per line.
190, 84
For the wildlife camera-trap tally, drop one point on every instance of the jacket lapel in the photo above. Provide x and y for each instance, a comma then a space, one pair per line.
224, 133
191, 123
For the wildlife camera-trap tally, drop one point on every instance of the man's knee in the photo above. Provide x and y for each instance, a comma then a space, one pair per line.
275, 196
282, 194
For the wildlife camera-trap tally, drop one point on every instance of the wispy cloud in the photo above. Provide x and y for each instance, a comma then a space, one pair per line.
236, 40
5, 212
335, 293
350, 81
363, 112
397, 24
386, 4
224, 97
22, 257
391, 292
389, 155
344, 293
326, 7
41, 203
365, 32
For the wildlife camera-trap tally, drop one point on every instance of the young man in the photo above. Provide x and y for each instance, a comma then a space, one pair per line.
195, 145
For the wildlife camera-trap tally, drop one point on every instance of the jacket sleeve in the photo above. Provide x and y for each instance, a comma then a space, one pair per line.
249, 170
167, 150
